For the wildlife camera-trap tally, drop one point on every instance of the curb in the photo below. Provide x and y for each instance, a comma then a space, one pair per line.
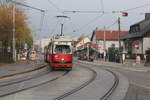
119, 66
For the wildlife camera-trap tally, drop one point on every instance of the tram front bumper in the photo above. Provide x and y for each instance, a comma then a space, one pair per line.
62, 65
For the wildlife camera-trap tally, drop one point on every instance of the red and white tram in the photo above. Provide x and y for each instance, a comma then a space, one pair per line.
59, 52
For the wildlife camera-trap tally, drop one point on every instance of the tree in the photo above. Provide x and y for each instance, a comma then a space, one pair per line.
23, 31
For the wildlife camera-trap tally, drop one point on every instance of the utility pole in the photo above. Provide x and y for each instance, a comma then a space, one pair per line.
14, 3
88, 51
119, 39
62, 25
104, 44
119, 35
14, 26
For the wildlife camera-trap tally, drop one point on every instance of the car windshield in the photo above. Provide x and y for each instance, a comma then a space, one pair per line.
63, 49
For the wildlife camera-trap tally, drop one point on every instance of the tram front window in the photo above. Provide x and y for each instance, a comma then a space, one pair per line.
63, 49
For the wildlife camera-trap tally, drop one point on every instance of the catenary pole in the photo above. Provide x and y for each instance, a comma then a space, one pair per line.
119, 29
119, 34
14, 31
104, 34
14, 24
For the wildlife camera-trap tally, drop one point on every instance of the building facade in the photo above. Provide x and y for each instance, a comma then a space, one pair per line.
137, 41
81, 41
40, 44
107, 39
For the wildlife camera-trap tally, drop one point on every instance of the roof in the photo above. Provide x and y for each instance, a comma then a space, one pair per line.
92, 45
144, 29
63, 38
110, 34
143, 32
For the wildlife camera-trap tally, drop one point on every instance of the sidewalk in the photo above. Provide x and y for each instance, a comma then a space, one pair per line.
127, 65
18, 67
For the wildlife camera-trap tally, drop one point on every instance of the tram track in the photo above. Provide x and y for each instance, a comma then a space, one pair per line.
13, 91
114, 86
112, 89
104, 97
81, 86
20, 76
21, 73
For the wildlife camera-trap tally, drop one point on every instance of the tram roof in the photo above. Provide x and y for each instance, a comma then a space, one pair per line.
63, 38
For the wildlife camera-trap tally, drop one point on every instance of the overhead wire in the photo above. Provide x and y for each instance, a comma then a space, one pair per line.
55, 26
136, 7
79, 11
42, 21
91, 21
106, 27
112, 24
54, 5
102, 5
18, 3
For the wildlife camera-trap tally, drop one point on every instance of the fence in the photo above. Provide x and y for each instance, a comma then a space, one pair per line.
5, 56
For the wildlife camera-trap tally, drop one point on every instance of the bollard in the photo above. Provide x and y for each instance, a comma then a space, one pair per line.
138, 60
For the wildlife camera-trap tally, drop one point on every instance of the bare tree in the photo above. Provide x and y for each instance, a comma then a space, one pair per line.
3, 3
8, 3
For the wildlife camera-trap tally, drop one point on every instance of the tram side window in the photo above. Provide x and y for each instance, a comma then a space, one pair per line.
63, 49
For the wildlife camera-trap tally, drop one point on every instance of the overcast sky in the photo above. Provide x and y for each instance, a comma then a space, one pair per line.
83, 23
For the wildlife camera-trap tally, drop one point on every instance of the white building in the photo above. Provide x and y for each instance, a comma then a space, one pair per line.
81, 42
111, 38
40, 44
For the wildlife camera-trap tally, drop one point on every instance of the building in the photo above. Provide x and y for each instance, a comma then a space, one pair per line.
85, 49
40, 44
137, 41
111, 38
81, 41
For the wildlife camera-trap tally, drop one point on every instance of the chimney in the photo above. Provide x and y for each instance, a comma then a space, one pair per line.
147, 16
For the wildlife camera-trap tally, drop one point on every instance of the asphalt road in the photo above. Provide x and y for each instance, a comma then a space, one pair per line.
76, 77
139, 88
139, 85
53, 89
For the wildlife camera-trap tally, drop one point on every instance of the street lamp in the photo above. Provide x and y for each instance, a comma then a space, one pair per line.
124, 14
14, 26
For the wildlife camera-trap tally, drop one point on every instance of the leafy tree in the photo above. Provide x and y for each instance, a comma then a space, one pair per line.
128, 46
22, 33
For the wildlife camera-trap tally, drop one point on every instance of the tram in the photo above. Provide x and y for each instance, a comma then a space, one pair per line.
59, 52
45, 53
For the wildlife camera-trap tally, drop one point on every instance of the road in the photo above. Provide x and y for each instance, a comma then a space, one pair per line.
98, 87
139, 85
138, 90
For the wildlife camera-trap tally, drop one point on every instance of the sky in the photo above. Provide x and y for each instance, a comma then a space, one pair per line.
83, 23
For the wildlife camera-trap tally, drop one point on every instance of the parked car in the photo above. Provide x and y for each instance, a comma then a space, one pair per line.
23, 57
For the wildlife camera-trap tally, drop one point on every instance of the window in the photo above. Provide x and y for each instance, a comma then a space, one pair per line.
62, 49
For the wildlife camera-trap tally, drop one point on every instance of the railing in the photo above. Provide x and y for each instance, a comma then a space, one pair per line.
5, 56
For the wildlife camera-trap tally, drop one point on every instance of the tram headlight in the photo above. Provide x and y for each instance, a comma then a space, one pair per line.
62, 59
